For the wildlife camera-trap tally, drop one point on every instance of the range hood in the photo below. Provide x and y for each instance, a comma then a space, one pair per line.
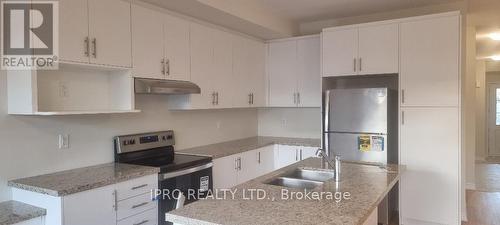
165, 87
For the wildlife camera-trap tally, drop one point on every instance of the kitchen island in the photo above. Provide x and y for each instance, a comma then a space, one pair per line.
350, 201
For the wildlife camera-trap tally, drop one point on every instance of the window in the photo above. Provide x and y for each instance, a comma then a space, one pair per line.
497, 118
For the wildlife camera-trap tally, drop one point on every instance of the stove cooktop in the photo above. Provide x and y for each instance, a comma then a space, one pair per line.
166, 165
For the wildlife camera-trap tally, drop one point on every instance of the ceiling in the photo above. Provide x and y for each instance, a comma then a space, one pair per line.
313, 10
485, 16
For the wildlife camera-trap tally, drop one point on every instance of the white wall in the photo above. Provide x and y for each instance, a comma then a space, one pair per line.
29, 143
290, 122
481, 110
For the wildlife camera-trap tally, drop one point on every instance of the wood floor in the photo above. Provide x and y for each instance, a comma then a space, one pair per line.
483, 208
488, 177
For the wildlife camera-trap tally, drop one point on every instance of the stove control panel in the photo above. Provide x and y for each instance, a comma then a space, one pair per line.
144, 141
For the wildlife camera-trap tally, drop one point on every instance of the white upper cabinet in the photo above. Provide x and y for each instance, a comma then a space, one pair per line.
378, 49
221, 78
201, 66
430, 62
308, 72
89, 33
110, 34
282, 74
248, 73
294, 72
360, 50
340, 52
176, 33
74, 31
147, 43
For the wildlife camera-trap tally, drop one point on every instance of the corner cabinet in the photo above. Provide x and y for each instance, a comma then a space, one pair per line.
361, 49
294, 72
89, 34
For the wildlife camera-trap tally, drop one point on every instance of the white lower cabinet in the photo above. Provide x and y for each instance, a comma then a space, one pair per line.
101, 206
430, 150
288, 154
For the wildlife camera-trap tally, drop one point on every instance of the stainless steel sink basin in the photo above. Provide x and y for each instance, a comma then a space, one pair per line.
294, 183
312, 175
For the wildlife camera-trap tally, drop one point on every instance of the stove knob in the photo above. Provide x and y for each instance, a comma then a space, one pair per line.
132, 142
164, 138
125, 142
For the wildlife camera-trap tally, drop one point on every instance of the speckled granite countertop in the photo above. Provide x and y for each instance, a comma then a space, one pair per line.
12, 212
220, 150
367, 185
82, 179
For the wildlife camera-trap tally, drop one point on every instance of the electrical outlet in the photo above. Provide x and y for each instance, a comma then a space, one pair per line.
218, 124
63, 89
283, 122
63, 141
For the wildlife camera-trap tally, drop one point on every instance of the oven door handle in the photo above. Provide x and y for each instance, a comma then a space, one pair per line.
165, 176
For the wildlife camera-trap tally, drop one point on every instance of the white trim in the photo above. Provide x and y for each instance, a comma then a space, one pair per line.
294, 38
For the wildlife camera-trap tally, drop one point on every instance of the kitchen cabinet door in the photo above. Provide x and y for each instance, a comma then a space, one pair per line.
308, 72
225, 172
73, 31
430, 150
110, 33
282, 60
307, 152
340, 52
223, 68
242, 76
201, 65
430, 62
176, 32
249, 166
287, 155
257, 61
95, 206
378, 49
266, 160
147, 43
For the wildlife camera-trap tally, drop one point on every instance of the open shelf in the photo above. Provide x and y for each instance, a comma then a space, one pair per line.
70, 90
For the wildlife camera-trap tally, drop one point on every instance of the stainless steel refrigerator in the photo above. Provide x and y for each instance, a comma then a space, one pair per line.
358, 124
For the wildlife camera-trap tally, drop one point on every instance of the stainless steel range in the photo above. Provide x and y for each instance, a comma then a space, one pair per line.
182, 179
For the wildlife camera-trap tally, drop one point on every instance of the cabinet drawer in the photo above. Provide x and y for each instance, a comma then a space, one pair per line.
149, 217
136, 187
135, 205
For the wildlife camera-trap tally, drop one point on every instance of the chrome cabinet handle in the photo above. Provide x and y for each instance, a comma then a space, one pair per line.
252, 98
94, 47
236, 164
300, 154
213, 98
140, 186
217, 98
139, 205
115, 195
360, 64
298, 98
295, 98
143, 222
296, 155
403, 96
249, 99
167, 64
86, 46
163, 66
354, 64
259, 159
402, 117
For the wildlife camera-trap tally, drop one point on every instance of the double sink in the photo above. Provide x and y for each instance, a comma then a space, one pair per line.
302, 178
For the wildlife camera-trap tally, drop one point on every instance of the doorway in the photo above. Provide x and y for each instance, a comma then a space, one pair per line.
493, 120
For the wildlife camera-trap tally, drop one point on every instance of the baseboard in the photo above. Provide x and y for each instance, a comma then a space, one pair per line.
470, 186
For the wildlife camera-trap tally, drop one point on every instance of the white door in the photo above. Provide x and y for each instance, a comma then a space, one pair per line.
95, 206
225, 172
110, 33
308, 72
494, 120
308, 152
430, 56
287, 155
266, 160
177, 48
147, 43
74, 31
201, 65
249, 166
282, 73
430, 150
378, 49
223, 68
340, 52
